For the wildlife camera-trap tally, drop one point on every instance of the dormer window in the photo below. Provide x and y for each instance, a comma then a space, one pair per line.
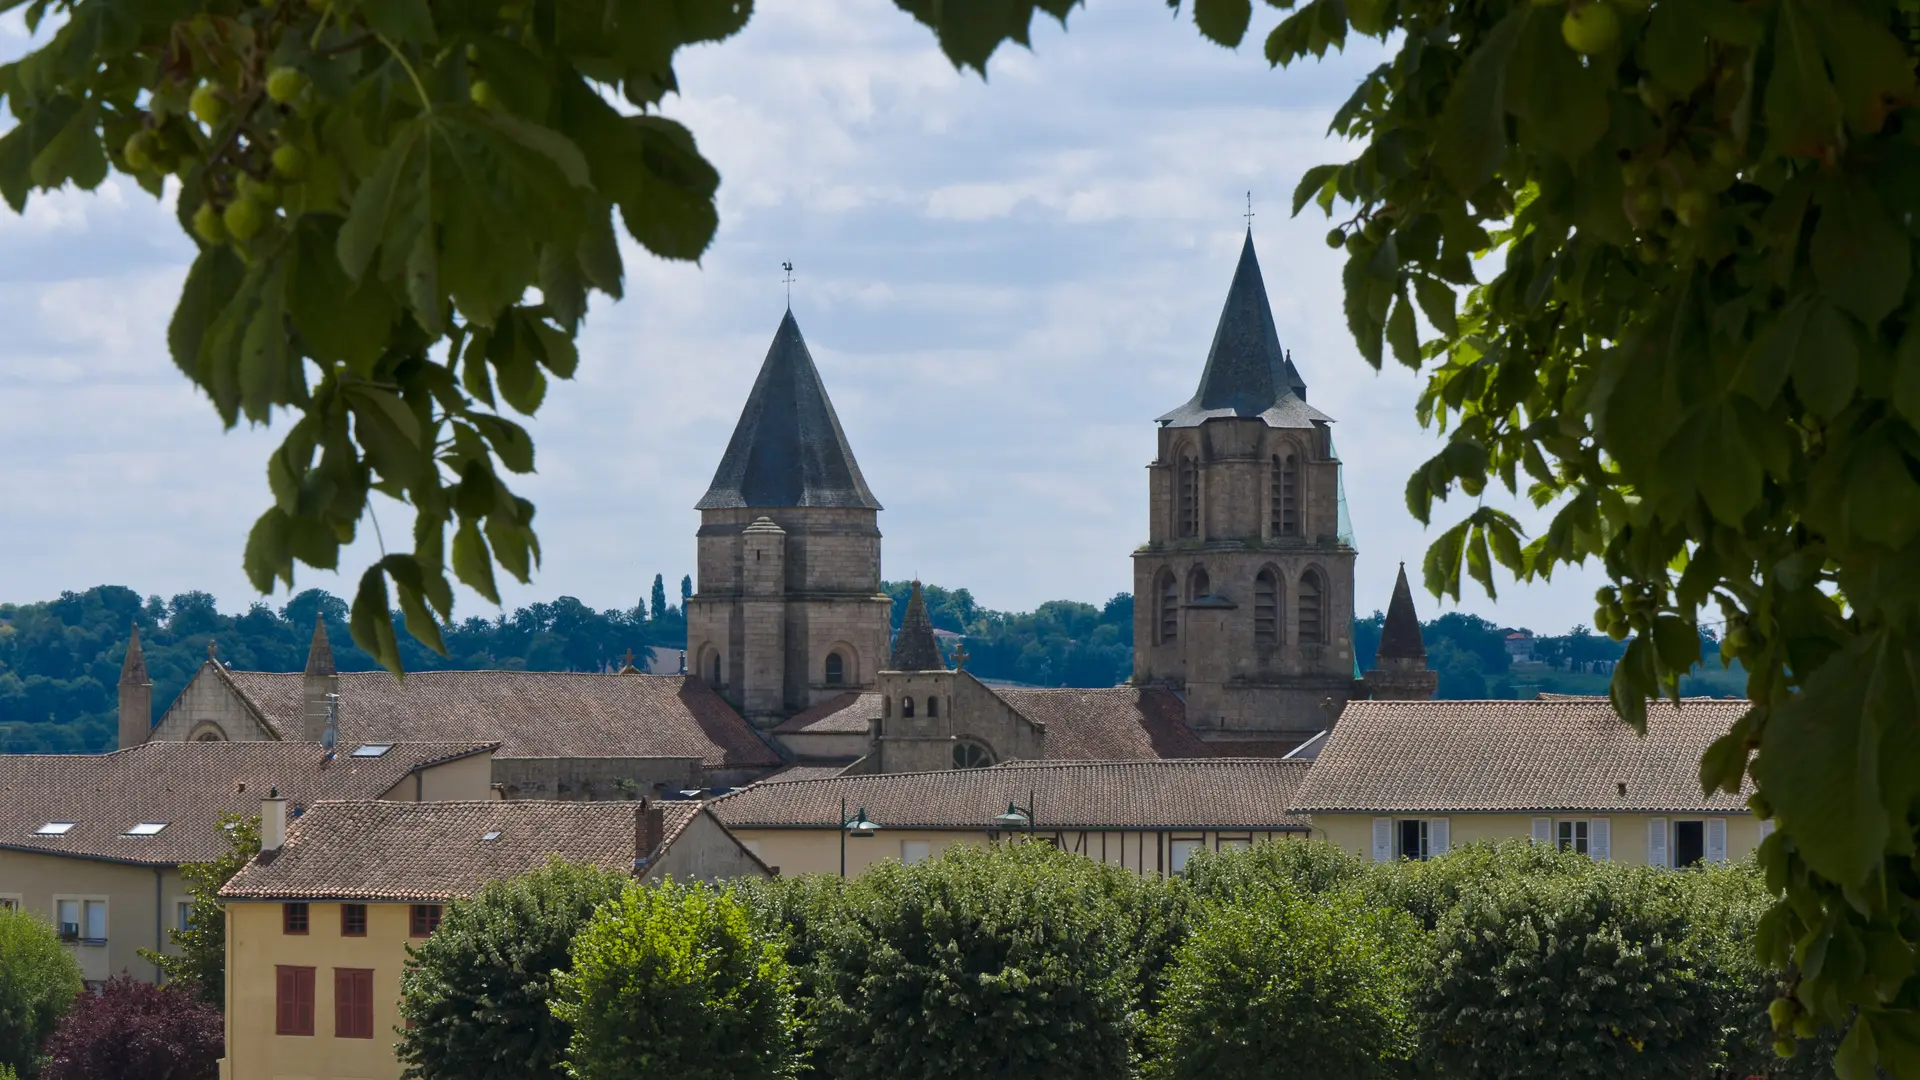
54, 828
146, 828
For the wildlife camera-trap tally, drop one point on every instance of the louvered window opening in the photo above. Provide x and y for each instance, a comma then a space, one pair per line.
1311, 632
1285, 497
1169, 610
1189, 496
1266, 609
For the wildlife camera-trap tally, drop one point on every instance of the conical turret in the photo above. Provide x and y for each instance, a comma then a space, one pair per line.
136, 695
1400, 671
1248, 374
914, 648
788, 449
318, 684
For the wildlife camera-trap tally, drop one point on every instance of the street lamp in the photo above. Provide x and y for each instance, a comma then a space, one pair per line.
1017, 815
858, 826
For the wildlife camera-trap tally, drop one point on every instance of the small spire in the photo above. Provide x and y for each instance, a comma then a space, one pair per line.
626, 664
212, 647
133, 671
320, 653
788, 267
1249, 214
1400, 637
914, 648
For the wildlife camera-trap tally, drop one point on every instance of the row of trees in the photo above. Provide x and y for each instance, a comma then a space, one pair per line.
52, 1028
1288, 960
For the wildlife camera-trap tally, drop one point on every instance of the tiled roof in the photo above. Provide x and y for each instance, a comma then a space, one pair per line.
530, 713
1203, 793
848, 714
435, 851
805, 771
1557, 754
1114, 724
186, 785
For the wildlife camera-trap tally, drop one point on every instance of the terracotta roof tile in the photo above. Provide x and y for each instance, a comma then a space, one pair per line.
186, 785
1558, 754
531, 713
1203, 793
850, 713
1114, 724
436, 851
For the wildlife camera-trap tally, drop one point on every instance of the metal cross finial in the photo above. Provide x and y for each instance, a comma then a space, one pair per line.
627, 660
212, 647
960, 656
1249, 210
788, 267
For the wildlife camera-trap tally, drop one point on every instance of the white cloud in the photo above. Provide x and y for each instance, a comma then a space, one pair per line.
1003, 285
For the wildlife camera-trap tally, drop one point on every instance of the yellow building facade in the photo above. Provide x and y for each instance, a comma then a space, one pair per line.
1638, 839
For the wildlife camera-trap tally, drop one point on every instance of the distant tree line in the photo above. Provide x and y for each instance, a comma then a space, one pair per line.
60, 659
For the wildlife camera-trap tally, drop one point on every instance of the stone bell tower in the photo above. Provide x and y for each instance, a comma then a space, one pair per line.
789, 610
136, 695
1243, 593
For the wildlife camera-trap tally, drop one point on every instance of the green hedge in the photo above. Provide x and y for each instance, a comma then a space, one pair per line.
1287, 960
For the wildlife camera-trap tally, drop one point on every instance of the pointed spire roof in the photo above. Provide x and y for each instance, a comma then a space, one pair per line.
320, 653
788, 449
133, 670
1400, 638
914, 647
1247, 372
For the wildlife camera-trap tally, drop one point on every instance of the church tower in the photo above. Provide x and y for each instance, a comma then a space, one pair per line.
1243, 593
789, 610
136, 695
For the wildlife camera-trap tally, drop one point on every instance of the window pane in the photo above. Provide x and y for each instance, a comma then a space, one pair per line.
183, 914
69, 911
1181, 851
97, 920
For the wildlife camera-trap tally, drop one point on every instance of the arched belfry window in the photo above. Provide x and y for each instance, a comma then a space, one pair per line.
1198, 584
968, 754
933, 706
714, 673
1266, 608
906, 707
1285, 496
836, 669
1312, 610
1169, 608
1187, 500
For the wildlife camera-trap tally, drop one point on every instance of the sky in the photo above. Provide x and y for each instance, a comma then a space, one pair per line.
1003, 283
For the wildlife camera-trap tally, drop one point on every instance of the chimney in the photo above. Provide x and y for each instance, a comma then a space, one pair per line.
273, 821
649, 827
319, 681
136, 695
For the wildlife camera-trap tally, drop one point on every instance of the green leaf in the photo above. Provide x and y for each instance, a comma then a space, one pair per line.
1861, 256
508, 439
650, 168
1856, 1057
1401, 334
267, 557
1472, 138
371, 621
1437, 300
391, 208
1441, 568
1906, 371
1479, 566
270, 372
472, 563
73, 154
556, 348
969, 33
1312, 183
1871, 68
211, 283
1819, 759
1826, 367
400, 20
1223, 22
338, 319
1562, 101
1676, 642
410, 581
1802, 108
1675, 50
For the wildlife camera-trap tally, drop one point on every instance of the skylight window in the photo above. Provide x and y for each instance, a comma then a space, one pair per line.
53, 828
372, 749
147, 828
491, 835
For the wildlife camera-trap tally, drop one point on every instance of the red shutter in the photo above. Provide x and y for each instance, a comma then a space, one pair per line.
293, 1000
352, 1003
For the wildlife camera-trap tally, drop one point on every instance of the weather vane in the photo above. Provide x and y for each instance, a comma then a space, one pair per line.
1249, 209
788, 267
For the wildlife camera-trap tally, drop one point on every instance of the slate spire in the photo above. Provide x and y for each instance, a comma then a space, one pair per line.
320, 653
1400, 638
1247, 373
914, 647
133, 670
788, 449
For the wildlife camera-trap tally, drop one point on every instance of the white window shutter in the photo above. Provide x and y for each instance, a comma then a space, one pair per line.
1542, 830
1438, 839
1657, 841
1716, 839
1382, 839
1600, 839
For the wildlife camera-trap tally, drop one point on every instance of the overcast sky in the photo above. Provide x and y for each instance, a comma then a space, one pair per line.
1003, 284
